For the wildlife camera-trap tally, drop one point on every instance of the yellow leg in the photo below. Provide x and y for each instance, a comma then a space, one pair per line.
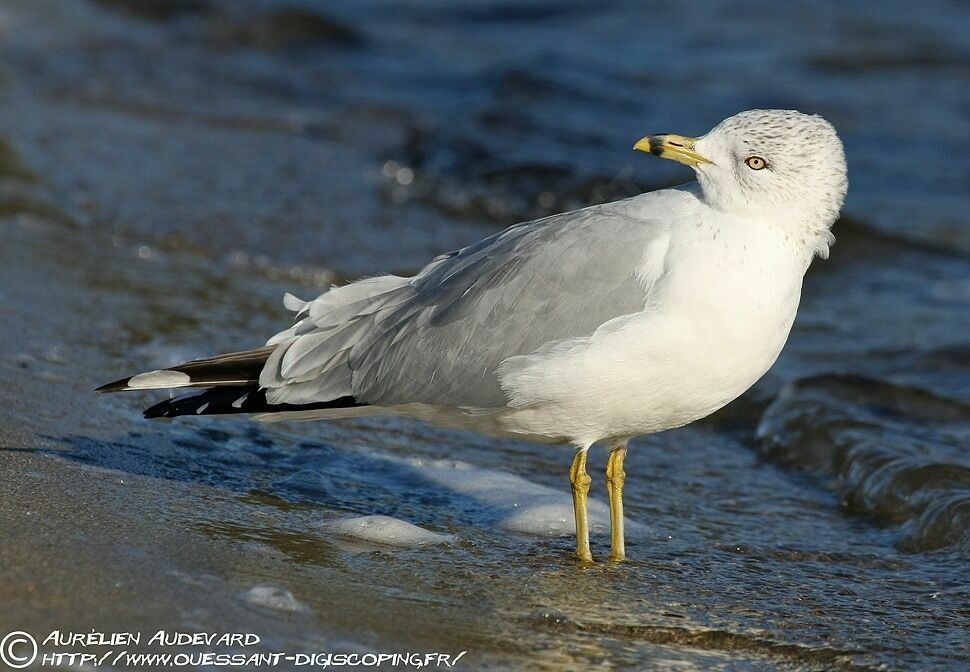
580, 481
615, 476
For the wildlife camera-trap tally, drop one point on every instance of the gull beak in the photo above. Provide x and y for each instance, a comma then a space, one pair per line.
672, 146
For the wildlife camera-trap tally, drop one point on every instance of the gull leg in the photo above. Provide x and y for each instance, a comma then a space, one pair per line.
580, 481
615, 476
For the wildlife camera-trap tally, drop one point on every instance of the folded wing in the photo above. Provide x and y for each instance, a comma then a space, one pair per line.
439, 337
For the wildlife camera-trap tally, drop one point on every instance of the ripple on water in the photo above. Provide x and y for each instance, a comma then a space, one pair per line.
898, 454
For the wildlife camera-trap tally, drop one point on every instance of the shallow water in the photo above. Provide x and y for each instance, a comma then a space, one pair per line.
168, 170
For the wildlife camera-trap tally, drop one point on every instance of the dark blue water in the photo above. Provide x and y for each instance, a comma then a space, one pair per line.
169, 169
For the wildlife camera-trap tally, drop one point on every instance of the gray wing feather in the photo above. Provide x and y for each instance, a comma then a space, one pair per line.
439, 337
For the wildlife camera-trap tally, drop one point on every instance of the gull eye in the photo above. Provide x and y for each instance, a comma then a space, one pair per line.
756, 163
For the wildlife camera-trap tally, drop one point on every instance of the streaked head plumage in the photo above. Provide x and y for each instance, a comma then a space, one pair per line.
773, 160
781, 165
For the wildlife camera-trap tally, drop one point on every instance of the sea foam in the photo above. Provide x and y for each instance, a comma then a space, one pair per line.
523, 506
385, 530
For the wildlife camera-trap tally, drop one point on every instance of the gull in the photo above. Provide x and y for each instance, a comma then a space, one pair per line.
597, 325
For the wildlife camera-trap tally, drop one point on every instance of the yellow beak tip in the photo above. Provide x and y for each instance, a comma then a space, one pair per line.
642, 145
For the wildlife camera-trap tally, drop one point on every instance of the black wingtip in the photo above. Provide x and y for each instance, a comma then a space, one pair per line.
232, 369
234, 400
116, 386
160, 410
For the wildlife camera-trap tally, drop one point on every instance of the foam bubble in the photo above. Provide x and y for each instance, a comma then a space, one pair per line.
273, 597
386, 530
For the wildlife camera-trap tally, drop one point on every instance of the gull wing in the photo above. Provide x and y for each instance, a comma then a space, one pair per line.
439, 337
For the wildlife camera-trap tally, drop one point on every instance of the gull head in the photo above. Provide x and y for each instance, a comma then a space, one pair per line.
778, 164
